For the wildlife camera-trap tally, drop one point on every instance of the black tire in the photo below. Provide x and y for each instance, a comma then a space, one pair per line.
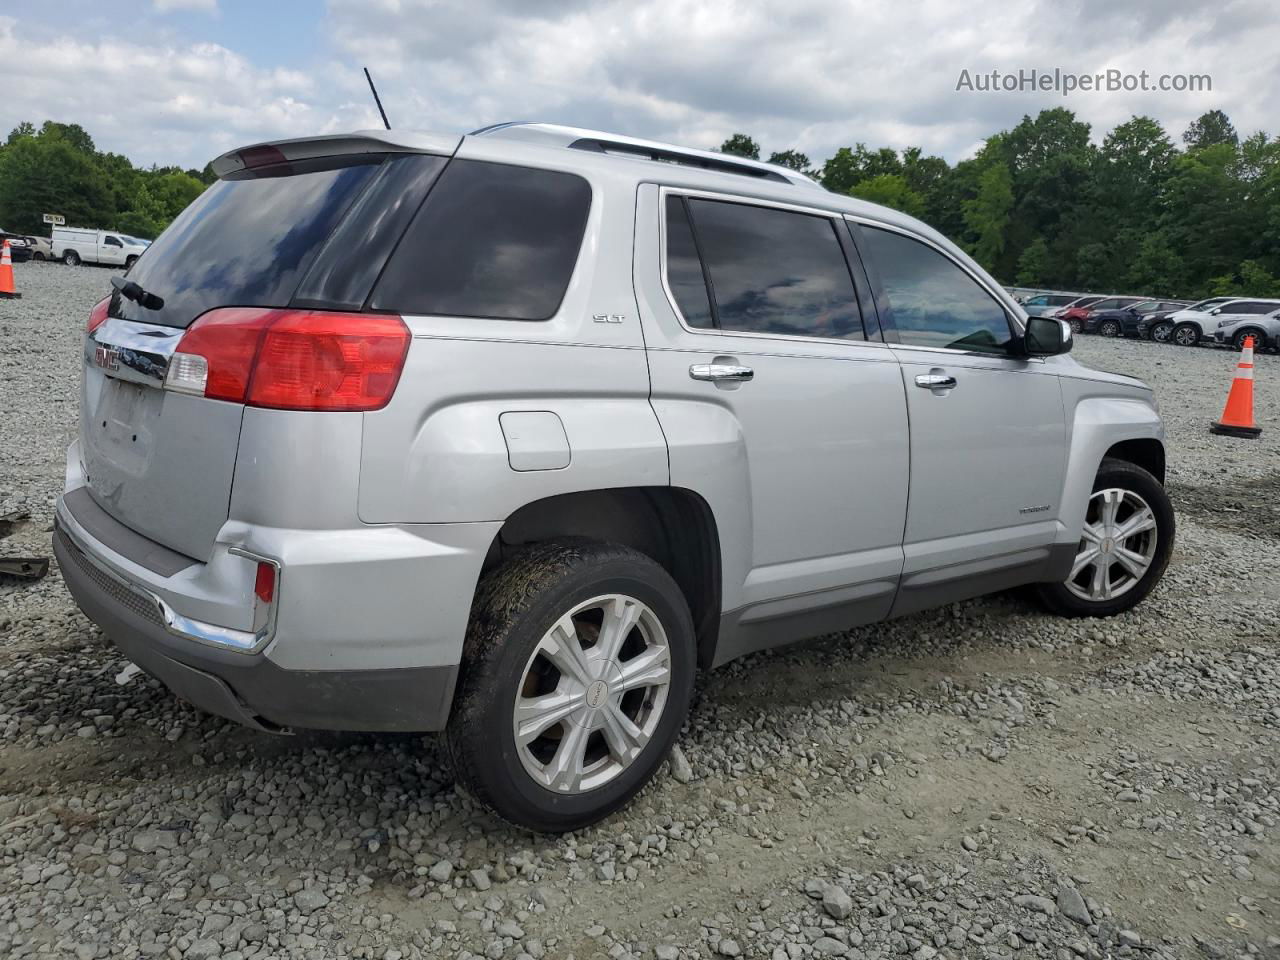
129, 262
37, 255
1127, 476
1109, 328
1161, 332
1185, 335
1076, 326
514, 607
1259, 340
71, 258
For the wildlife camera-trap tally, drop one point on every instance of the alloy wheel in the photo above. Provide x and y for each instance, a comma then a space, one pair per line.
592, 694
1161, 331
1109, 329
1117, 545
1186, 336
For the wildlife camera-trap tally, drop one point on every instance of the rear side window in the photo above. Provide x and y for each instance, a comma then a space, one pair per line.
684, 269
246, 241
932, 301
775, 271
491, 240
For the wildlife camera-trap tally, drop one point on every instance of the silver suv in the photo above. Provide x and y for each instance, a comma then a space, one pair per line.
507, 435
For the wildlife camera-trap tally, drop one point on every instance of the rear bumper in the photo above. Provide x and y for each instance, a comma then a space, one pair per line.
251, 689
366, 635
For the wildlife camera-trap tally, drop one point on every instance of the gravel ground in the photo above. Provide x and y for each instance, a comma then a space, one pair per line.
979, 781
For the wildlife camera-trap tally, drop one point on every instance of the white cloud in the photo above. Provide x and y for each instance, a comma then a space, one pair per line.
811, 74
157, 103
164, 6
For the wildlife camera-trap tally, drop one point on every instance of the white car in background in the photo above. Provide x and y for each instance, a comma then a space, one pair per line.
76, 245
1191, 326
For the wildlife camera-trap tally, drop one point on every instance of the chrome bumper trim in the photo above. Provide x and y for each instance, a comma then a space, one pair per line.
158, 611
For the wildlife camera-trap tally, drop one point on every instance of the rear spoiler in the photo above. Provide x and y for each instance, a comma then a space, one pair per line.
334, 145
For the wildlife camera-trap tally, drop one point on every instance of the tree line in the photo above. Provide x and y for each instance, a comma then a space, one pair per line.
58, 169
1039, 205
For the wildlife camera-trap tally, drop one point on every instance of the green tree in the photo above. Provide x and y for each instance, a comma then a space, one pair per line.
1249, 279
48, 175
25, 129
987, 214
741, 145
72, 133
890, 190
1210, 129
848, 168
793, 159
1156, 268
1033, 265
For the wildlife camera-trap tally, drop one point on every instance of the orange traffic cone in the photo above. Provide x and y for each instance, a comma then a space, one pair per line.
6, 274
1237, 416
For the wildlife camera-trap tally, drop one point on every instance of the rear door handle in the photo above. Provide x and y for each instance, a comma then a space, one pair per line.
721, 371
936, 381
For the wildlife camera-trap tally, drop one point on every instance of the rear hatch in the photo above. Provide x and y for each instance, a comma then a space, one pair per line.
284, 227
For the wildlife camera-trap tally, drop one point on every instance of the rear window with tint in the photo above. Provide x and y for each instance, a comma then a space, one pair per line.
492, 240
246, 242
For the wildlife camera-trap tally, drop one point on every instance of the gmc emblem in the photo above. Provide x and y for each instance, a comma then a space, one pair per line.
108, 358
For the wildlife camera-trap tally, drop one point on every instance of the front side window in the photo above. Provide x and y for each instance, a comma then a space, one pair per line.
775, 271
112, 242
491, 240
932, 301
1038, 302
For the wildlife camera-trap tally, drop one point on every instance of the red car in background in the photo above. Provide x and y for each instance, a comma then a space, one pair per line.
1075, 311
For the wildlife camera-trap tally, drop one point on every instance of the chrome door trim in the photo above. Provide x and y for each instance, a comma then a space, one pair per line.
664, 191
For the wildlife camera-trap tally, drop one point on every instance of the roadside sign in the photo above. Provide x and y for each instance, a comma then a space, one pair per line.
56, 219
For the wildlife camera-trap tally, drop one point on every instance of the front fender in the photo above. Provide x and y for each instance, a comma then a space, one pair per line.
1098, 421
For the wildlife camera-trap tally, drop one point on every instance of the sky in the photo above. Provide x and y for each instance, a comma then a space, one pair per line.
181, 81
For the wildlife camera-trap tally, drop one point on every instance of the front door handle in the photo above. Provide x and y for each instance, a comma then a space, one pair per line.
936, 381
732, 372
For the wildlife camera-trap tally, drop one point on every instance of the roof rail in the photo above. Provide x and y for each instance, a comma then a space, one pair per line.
598, 142
600, 145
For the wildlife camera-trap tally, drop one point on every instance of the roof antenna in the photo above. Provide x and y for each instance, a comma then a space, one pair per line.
376, 99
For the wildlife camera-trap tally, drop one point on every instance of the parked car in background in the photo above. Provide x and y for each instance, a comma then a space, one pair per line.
1079, 305
1047, 304
74, 245
19, 250
41, 248
669, 377
1087, 319
1234, 328
1189, 328
1160, 329
1123, 321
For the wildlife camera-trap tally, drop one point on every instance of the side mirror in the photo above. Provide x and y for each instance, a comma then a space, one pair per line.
1215, 311
1046, 337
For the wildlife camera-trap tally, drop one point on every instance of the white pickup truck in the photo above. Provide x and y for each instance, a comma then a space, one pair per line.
75, 245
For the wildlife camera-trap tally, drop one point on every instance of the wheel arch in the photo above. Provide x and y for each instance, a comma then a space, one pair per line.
674, 526
1145, 452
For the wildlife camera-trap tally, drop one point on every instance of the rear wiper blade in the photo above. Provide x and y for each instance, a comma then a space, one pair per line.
129, 289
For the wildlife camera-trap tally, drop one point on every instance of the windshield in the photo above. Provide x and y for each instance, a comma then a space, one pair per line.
246, 242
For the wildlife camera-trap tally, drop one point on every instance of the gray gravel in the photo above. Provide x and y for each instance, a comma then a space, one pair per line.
979, 781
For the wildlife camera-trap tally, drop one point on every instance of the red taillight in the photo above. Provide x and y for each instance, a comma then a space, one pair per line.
264, 583
98, 315
292, 359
